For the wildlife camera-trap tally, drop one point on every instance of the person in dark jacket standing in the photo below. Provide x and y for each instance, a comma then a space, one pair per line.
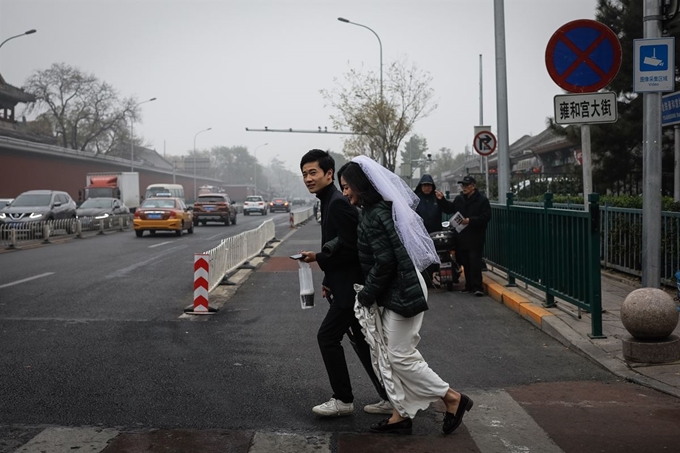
476, 210
341, 270
432, 204
394, 248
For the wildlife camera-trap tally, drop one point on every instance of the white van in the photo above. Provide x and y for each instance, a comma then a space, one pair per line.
165, 190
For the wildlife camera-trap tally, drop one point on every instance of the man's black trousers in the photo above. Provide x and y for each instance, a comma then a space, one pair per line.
472, 262
338, 321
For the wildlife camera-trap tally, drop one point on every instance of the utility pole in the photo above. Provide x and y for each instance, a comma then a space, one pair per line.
502, 103
651, 163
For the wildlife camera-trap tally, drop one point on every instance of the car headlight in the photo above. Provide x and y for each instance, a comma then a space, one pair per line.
102, 216
35, 215
2, 215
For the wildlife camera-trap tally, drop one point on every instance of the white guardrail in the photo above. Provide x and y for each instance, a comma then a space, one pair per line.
235, 251
15, 234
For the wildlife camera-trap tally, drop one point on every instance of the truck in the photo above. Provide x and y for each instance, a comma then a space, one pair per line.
121, 185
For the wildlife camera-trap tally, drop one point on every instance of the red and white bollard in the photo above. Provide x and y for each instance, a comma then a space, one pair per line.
292, 222
201, 283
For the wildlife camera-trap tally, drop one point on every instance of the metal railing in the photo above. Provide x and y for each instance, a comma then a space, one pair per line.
554, 250
17, 234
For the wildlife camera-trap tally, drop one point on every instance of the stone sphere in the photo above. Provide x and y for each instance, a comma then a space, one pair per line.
649, 314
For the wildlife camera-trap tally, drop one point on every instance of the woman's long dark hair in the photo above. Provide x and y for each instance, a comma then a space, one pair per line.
357, 180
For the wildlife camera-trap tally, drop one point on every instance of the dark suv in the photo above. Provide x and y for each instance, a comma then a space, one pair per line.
40, 206
214, 207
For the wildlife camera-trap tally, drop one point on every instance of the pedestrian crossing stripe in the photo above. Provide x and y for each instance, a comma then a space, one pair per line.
496, 424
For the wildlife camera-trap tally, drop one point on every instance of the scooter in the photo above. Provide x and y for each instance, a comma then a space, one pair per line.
449, 269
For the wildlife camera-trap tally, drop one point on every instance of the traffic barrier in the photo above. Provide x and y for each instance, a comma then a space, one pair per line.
292, 219
201, 284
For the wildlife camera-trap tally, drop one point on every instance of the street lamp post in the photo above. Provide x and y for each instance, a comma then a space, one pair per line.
199, 132
347, 21
29, 32
132, 136
255, 166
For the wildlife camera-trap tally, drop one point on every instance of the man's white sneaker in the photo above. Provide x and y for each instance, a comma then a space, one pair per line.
334, 408
381, 407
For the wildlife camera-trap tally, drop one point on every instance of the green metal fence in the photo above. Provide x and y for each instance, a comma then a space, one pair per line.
554, 250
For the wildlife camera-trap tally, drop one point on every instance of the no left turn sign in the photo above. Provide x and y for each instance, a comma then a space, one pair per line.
485, 143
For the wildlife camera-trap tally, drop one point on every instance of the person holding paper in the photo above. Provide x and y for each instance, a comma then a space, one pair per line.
476, 212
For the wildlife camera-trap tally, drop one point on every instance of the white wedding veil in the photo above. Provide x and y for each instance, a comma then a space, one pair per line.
407, 222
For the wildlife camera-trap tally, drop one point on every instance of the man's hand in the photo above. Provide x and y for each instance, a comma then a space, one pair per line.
465, 221
325, 291
438, 194
308, 257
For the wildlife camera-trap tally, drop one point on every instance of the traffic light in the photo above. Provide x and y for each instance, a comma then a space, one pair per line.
671, 17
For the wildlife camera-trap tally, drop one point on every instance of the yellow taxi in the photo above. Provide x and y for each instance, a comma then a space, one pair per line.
163, 214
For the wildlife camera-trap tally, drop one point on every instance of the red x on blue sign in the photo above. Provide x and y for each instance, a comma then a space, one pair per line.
583, 56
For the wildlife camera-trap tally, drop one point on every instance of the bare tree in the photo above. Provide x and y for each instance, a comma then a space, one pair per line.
381, 123
85, 113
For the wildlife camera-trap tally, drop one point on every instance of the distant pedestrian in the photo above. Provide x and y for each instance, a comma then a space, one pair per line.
341, 270
394, 248
476, 210
431, 206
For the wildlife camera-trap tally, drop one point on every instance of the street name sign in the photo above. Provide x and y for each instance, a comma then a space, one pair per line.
670, 109
653, 65
485, 143
583, 56
586, 108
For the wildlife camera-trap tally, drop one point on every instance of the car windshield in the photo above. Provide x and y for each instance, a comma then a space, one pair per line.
97, 203
32, 200
254, 199
167, 204
213, 199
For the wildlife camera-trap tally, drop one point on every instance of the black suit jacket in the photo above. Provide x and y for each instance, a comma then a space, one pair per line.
339, 219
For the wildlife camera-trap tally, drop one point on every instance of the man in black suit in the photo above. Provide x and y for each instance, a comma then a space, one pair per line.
341, 269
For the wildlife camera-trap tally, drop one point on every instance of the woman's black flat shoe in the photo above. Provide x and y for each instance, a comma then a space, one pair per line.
402, 427
453, 421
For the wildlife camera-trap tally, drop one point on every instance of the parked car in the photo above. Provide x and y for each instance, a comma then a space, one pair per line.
163, 214
93, 210
299, 201
40, 206
214, 207
254, 203
5, 201
279, 204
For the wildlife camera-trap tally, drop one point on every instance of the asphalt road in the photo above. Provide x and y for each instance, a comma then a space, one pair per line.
98, 339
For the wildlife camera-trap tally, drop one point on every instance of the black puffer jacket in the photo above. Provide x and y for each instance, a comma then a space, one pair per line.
430, 208
390, 276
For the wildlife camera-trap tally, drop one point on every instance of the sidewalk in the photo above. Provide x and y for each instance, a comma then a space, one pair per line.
573, 332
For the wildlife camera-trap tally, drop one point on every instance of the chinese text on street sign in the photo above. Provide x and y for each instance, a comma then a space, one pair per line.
585, 108
670, 109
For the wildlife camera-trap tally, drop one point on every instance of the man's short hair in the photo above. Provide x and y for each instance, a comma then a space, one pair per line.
323, 158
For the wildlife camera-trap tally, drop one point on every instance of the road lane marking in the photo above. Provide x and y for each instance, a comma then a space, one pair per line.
161, 255
65, 440
6, 285
159, 244
497, 423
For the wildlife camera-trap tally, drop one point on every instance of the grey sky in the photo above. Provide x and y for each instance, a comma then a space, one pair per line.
232, 64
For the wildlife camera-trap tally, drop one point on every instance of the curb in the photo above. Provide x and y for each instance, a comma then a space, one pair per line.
556, 328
